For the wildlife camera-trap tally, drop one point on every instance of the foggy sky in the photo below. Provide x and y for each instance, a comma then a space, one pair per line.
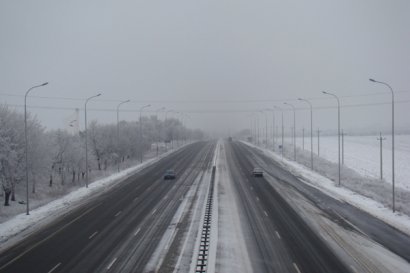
216, 60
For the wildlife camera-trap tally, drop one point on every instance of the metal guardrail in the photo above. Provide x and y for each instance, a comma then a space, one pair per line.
202, 261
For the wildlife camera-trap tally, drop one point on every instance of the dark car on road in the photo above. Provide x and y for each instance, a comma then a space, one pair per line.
169, 174
257, 172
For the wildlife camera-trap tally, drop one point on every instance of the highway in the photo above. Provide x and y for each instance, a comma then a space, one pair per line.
117, 231
268, 213
283, 240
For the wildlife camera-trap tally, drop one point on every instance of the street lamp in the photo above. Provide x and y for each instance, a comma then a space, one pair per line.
142, 108
159, 128
86, 139
338, 129
311, 130
26, 142
392, 130
273, 127
266, 128
118, 132
281, 110
294, 129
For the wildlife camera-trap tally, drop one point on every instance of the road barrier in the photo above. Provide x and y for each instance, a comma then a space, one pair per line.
202, 261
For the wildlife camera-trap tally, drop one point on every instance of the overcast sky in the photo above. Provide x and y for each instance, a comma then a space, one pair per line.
216, 60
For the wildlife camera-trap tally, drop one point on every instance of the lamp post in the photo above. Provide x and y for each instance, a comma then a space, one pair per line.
266, 128
86, 139
26, 142
392, 132
166, 118
273, 127
338, 129
311, 130
118, 132
294, 129
141, 109
159, 128
281, 110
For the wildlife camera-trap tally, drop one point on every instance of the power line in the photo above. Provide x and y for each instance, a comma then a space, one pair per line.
203, 101
209, 111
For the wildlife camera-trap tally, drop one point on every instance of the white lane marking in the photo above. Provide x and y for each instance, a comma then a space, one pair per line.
277, 234
48, 237
296, 267
354, 269
153, 211
265, 212
257, 198
110, 265
137, 231
166, 196
251, 188
135, 199
92, 235
118, 213
54, 268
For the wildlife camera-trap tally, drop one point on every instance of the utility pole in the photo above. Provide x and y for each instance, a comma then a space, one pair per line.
381, 154
141, 135
343, 148
294, 129
281, 110
318, 143
303, 139
311, 131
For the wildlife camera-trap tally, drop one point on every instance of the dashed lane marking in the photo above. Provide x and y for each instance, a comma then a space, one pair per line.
296, 268
277, 234
257, 198
118, 213
354, 269
135, 199
111, 264
54, 268
48, 237
137, 231
265, 212
153, 211
92, 235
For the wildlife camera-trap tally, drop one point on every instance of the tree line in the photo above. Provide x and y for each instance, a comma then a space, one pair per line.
56, 158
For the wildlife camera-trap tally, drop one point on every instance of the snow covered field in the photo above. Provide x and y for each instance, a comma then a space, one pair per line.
362, 154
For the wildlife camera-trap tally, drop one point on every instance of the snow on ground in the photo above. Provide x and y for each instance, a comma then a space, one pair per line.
397, 219
232, 253
362, 154
23, 225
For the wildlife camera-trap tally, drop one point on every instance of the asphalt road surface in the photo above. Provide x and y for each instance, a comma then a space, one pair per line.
118, 231
341, 212
284, 242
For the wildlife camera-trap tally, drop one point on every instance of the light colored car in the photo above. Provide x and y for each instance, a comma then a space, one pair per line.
257, 172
